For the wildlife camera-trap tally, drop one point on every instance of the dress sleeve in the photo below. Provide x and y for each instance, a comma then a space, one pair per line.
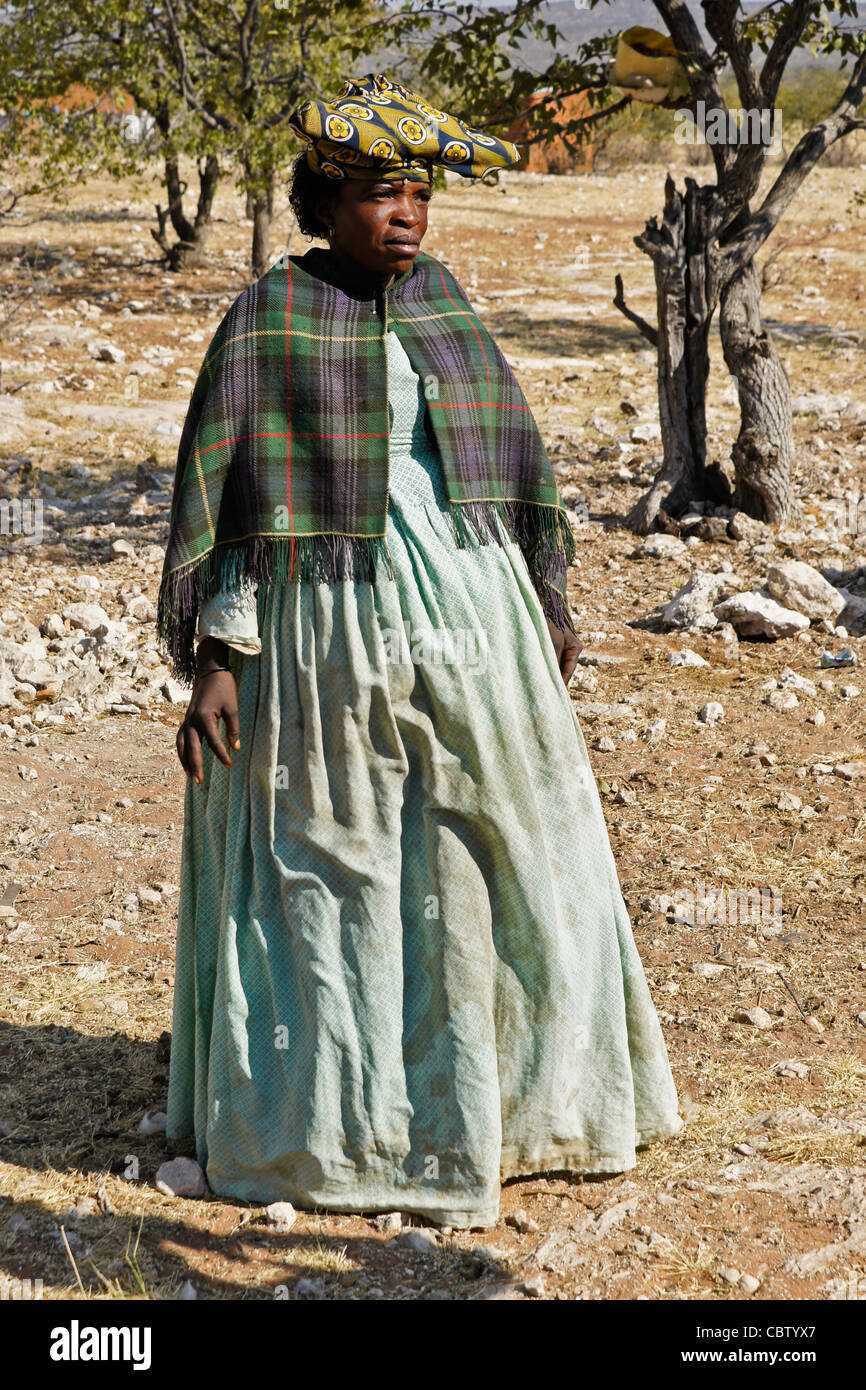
232, 616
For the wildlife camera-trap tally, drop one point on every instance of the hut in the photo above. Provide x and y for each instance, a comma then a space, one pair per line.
554, 156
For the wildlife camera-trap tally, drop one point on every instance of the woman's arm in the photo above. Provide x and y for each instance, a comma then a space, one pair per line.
228, 619
214, 697
567, 649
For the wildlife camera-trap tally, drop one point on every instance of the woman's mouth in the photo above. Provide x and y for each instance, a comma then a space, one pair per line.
406, 246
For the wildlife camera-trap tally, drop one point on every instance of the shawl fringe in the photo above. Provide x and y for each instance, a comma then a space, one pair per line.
544, 535
542, 532
259, 560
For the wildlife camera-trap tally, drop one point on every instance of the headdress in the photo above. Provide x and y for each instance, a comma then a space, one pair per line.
375, 128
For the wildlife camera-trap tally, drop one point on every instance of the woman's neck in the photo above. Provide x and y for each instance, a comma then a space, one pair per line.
358, 271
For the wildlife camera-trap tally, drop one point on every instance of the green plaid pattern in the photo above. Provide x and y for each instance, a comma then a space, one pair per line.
282, 469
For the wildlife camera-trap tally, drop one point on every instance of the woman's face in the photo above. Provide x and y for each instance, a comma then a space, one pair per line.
380, 223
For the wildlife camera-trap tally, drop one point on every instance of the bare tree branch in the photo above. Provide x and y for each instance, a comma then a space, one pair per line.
650, 333
803, 158
787, 38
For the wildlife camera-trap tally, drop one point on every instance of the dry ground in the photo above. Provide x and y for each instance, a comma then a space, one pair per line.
768, 1177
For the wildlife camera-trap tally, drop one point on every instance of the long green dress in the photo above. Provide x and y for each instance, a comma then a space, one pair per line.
405, 970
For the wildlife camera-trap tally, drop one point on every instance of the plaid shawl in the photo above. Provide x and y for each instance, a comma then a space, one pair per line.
282, 468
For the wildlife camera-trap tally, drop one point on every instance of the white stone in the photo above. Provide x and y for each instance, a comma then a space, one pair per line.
696, 598
790, 680
797, 585
686, 658
181, 1177
86, 616
758, 1017
711, 713
104, 351
281, 1217
756, 614
782, 700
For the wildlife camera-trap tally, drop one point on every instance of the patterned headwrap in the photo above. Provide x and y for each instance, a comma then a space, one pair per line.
377, 129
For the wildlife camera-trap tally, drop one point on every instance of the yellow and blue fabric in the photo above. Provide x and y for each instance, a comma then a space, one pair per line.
376, 128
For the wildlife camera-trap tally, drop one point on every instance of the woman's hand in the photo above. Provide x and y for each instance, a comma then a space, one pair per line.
214, 697
567, 649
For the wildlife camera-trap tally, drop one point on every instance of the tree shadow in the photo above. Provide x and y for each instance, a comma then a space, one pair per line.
555, 338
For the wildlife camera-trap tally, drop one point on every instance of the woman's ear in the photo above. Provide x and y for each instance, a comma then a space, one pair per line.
325, 214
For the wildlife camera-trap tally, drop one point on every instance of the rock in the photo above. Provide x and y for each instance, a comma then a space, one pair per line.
122, 549
140, 609
180, 1177
730, 1275
849, 771
604, 745
187, 1293
853, 615
86, 617
819, 718
757, 1017
646, 432
788, 802
782, 700
792, 1069
420, 1241
756, 614
584, 680
789, 680
281, 1217
749, 1284
92, 974
153, 1121
707, 969
52, 626
743, 527
315, 1289
389, 1222
84, 1207
655, 732
849, 692
534, 1286
686, 658
104, 351
696, 598
799, 586
526, 1225
661, 547
711, 713
174, 692
819, 403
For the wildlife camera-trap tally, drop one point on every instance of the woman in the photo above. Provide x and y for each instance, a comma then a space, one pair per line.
405, 971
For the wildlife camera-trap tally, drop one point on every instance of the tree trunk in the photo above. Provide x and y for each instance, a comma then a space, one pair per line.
208, 179
683, 251
261, 235
764, 448
263, 211
188, 250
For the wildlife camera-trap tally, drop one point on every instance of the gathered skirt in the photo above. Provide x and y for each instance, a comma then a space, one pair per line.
405, 969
